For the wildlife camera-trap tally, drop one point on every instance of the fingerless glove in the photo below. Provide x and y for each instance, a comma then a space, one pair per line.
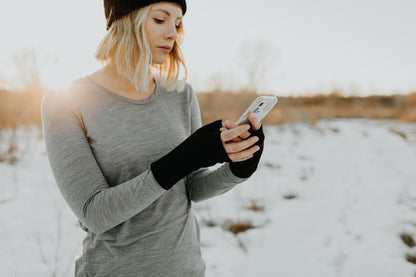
202, 149
246, 168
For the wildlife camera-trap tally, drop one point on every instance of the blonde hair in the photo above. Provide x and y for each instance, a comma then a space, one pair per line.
126, 48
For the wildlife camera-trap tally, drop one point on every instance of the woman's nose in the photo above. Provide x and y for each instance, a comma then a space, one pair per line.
172, 32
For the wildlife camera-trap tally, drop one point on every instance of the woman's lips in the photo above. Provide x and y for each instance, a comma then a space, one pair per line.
165, 49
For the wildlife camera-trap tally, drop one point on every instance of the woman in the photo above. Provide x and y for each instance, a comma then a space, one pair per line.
129, 154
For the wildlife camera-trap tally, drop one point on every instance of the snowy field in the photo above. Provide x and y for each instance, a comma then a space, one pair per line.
328, 200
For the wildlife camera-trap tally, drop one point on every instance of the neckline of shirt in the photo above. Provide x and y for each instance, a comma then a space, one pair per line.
147, 100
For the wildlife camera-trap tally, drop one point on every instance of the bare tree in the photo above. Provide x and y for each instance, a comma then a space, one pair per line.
29, 68
256, 60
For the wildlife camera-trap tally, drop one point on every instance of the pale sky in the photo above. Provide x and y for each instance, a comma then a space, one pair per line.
303, 46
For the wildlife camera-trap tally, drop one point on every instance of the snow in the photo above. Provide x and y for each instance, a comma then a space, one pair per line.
335, 197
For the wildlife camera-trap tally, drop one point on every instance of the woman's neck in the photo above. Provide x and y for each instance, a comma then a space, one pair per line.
108, 78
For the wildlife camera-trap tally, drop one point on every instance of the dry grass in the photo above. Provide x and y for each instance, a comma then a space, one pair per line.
400, 133
23, 107
408, 239
238, 227
255, 207
411, 258
311, 108
19, 108
290, 196
9, 155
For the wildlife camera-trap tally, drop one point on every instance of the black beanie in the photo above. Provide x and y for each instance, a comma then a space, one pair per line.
115, 9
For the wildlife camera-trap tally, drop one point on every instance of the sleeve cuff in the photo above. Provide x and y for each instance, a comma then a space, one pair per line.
230, 175
152, 189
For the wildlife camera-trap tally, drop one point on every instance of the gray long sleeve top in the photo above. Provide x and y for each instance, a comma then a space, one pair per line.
100, 146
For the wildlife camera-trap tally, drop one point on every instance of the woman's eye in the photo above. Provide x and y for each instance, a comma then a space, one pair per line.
159, 21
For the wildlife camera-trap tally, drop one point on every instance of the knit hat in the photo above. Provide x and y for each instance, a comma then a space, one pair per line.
115, 9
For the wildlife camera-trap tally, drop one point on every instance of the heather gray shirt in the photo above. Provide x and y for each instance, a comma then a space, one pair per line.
100, 146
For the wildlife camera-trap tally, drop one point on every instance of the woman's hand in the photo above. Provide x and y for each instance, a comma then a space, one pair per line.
235, 142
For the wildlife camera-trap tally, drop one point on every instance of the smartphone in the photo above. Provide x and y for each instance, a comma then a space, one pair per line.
260, 107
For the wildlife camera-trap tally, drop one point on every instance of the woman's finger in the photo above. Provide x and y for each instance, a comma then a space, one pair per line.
234, 133
227, 125
233, 140
255, 123
245, 135
236, 147
244, 155
243, 159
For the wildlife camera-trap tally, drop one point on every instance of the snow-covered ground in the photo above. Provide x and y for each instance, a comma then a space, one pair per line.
333, 199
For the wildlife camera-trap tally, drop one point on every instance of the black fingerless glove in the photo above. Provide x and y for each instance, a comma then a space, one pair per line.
246, 168
202, 149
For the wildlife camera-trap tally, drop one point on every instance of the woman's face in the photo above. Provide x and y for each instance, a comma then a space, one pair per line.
161, 26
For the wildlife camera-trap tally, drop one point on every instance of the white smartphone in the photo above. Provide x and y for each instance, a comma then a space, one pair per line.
260, 107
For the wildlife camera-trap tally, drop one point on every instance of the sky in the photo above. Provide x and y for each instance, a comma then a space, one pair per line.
284, 47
